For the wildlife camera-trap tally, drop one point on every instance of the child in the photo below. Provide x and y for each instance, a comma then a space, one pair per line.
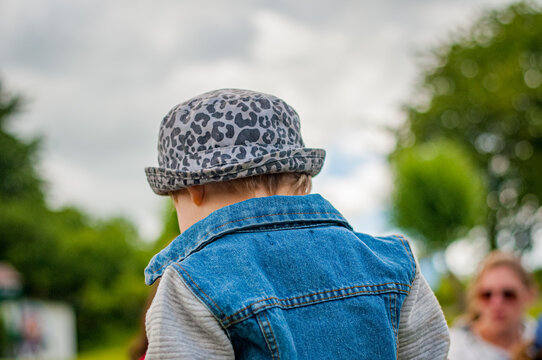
262, 270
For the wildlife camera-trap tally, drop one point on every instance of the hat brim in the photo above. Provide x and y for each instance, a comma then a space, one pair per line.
304, 160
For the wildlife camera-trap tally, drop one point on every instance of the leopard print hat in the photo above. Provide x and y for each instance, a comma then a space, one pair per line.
229, 134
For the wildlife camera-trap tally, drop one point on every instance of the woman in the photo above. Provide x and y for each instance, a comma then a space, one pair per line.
498, 298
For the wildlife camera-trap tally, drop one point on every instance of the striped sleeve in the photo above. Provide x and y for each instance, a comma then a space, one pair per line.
179, 326
423, 332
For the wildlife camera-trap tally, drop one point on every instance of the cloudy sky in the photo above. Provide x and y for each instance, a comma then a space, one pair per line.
99, 75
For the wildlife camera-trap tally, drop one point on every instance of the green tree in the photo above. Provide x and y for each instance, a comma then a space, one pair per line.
438, 193
21, 195
95, 265
483, 89
18, 177
438, 196
170, 227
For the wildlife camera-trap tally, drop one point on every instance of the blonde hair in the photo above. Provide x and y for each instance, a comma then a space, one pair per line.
298, 183
491, 261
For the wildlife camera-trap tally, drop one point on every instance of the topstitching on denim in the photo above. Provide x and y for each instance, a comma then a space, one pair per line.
404, 242
256, 297
268, 335
296, 301
208, 230
208, 238
190, 281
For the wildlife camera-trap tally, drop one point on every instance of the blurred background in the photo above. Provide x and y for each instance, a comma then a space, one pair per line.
430, 112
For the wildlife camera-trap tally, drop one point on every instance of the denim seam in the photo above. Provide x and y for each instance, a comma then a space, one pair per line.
249, 218
398, 319
264, 326
230, 320
396, 314
413, 265
270, 215
292, 225
328, 291
272, 334
391, 313
264, 333
201, 290
410, 257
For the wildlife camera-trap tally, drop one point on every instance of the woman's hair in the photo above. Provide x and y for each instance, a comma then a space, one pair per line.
493, 260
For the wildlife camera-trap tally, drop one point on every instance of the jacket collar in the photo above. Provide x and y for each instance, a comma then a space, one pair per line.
253, 213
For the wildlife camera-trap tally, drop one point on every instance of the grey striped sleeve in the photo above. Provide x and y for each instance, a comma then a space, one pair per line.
179, 326
423, 332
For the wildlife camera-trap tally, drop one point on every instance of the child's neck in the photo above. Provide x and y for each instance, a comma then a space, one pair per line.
189, 212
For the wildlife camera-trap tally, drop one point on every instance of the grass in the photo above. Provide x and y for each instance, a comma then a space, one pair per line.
115, 348
114, 352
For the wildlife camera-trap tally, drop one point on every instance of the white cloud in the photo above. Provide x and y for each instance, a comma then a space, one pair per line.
285, 41
101, 75
366, 140
365, 190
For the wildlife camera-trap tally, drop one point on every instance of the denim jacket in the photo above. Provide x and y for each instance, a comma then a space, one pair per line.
287, 278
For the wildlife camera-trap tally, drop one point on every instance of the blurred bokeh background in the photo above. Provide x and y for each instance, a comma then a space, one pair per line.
431, 113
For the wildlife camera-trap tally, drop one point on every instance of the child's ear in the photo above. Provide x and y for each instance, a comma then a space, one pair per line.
197, 193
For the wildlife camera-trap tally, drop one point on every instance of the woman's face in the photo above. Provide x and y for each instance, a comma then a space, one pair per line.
501, 298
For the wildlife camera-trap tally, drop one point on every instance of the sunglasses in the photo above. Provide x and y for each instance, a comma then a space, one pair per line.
507, 295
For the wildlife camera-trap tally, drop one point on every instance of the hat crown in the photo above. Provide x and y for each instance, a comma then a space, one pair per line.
229, 134
222, 119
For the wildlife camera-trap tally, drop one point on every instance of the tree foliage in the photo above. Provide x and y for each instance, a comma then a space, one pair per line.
96, 265
17, 158
170, 229
483, 90
438, 193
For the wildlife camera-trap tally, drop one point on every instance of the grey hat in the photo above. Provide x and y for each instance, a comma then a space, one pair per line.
229, 134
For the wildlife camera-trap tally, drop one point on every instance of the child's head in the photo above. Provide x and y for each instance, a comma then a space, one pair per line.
232, 134
239, 143
267, 184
